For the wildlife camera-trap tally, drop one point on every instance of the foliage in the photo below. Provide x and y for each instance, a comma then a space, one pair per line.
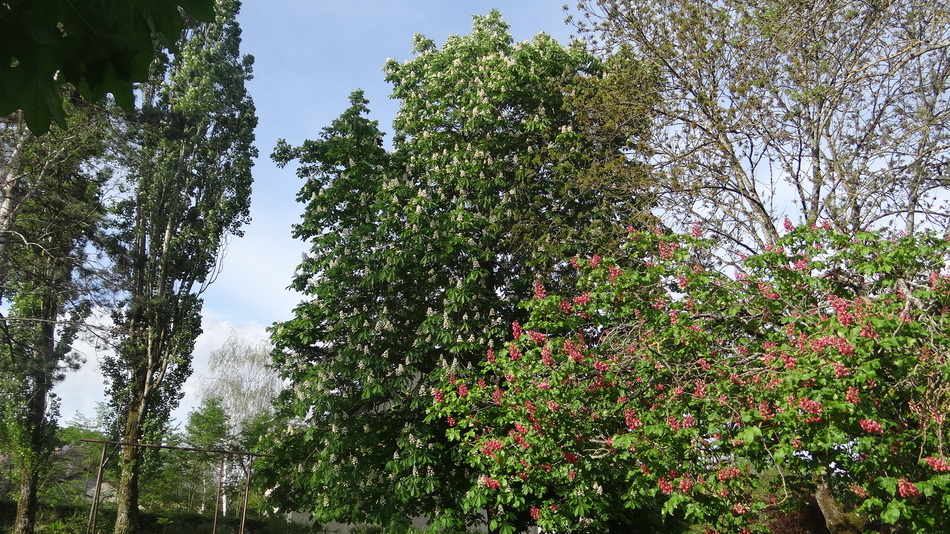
417, 258
208, 426
189, 186
51, 209
820, 366
828, 110
73, 519
99, 47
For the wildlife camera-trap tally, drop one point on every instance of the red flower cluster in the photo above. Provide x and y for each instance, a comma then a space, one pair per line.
665, 486
767, 291
630, 416
813, 408
853, 396
516, 330
871, 426
537, 337
490, 483
498, 395
906, 488
686, 484
573, 351
844, 348
841, 370
615, 273
728, 472
582, 299
539, 291
566, 306
667, 250
842, 309
938, 464
491, 446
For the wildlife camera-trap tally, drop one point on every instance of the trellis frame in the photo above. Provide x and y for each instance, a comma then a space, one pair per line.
104, 458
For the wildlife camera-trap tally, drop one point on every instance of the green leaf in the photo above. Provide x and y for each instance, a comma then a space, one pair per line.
893, 512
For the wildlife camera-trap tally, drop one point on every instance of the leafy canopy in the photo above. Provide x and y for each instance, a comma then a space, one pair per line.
820, 366
418, 256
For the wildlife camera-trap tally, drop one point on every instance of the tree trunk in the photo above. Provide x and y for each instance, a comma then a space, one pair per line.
127, 494
836, 519
27, 502
34, 422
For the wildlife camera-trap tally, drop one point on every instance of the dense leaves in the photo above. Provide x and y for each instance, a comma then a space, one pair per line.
820, 367
99, 47
418, 257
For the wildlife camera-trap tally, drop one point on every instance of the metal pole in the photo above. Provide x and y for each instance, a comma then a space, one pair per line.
217, 497
91, 524
247, 489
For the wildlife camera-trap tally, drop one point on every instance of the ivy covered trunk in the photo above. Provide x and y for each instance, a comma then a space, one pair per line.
127, 493
27, 502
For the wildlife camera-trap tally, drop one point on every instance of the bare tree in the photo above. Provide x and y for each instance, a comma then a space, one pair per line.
823, 110
242, 379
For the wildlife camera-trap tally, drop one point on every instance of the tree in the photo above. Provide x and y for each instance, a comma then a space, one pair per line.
51, 209
820, 367
244, 384
99, 47
417, 258
827, 110
189, 190
209, 428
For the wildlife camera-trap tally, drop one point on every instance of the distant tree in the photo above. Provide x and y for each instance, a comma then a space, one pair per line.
829, 110
208, 427
189, 190
243, 382
99, 47
418, 257
51, 207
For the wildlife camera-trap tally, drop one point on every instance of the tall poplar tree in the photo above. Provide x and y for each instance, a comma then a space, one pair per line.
418, 257
188, 191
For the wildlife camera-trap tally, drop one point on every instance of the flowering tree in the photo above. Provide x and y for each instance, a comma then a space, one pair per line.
418, 258
819, 367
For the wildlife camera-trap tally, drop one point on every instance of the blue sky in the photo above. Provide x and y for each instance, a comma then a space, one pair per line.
309, 55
